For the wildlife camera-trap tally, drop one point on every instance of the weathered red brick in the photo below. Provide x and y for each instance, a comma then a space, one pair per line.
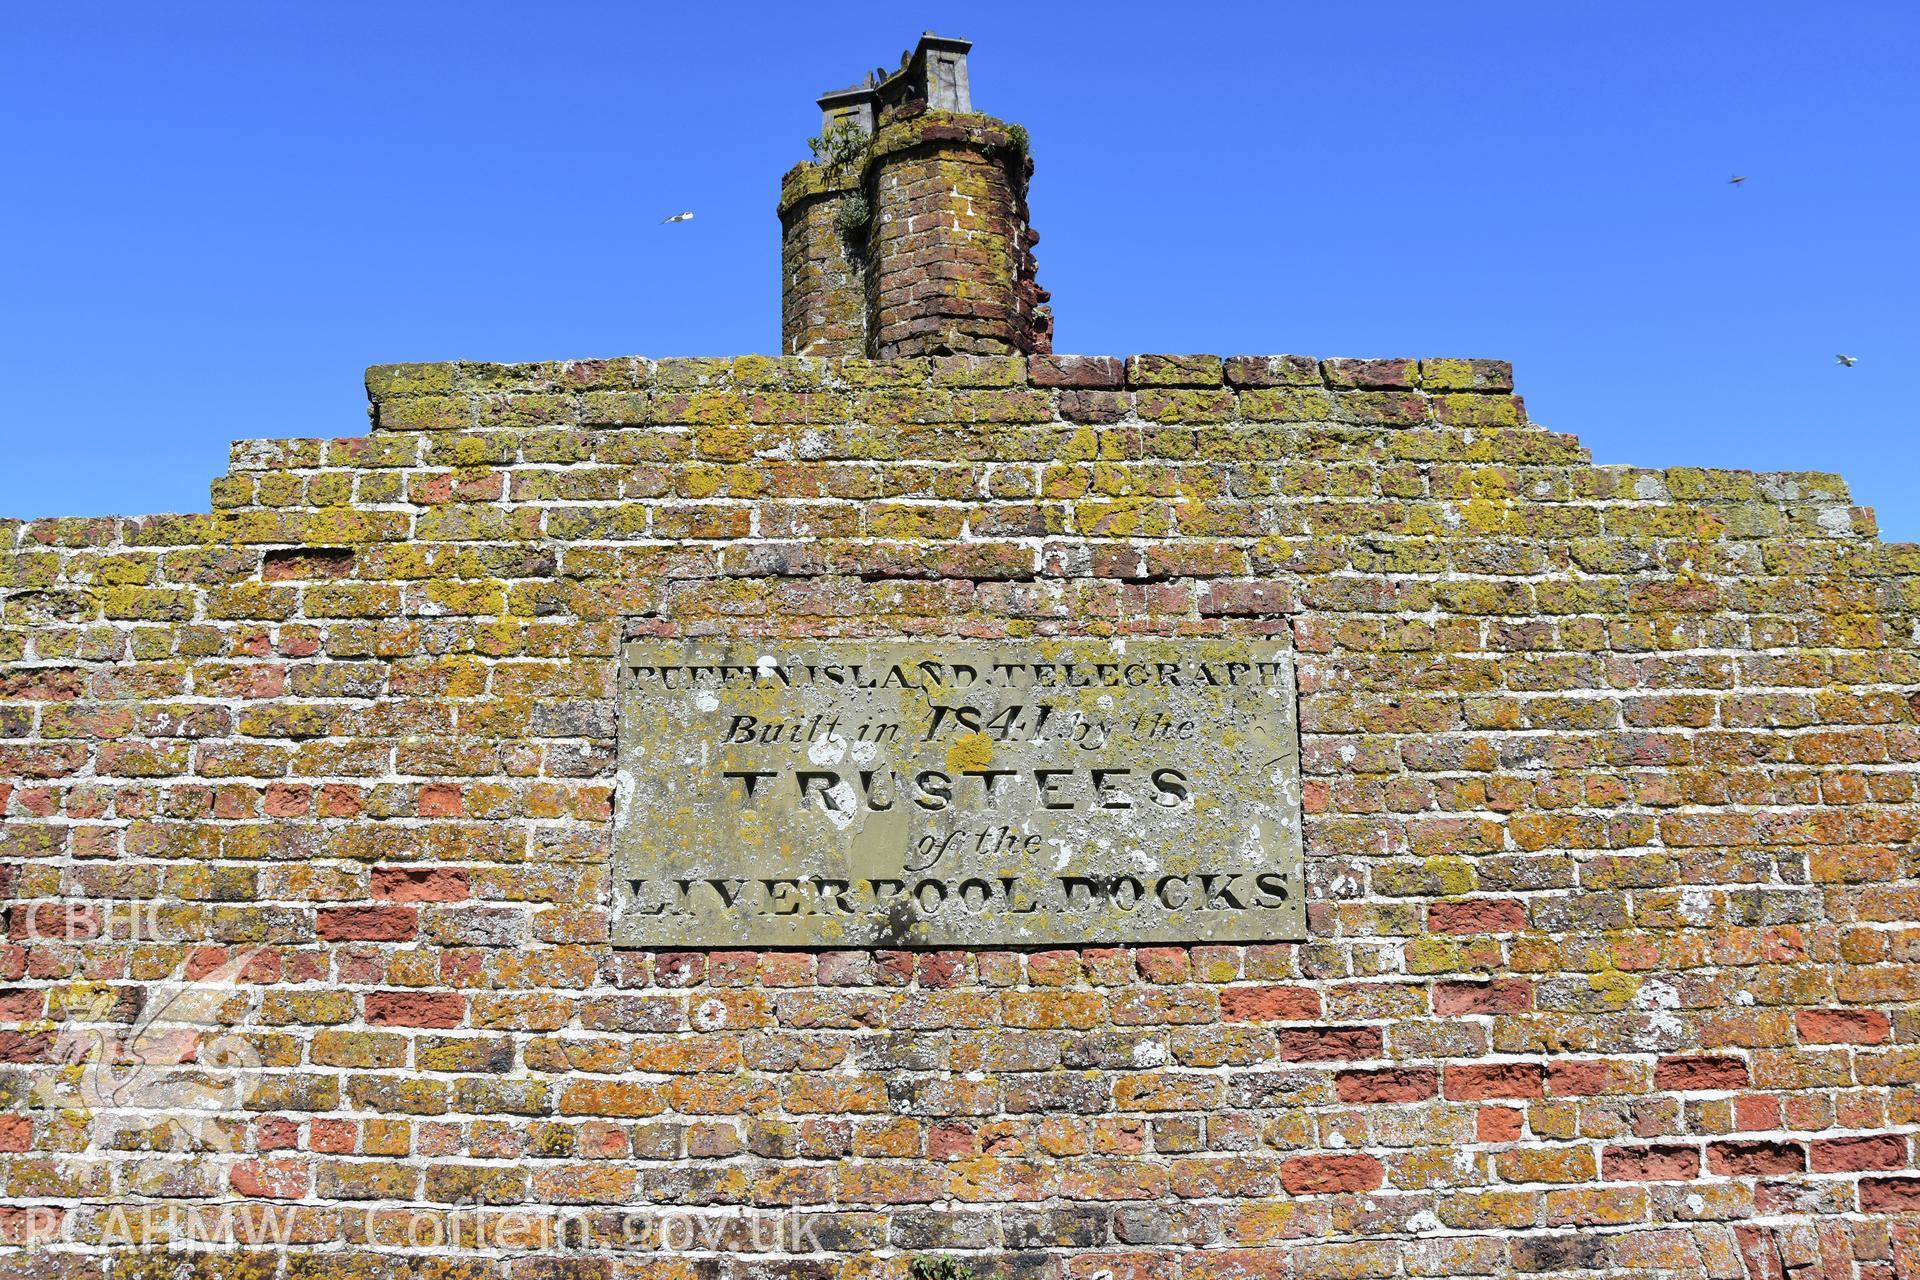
1502, 995
1574, 1077
22, 1005
333, 1137
1648, 1163
1323, 1175
1890, 1195
1075, 371
421, 884
270, 1179
1478, 915
1389, 1084
283, 801
1682, 1072
1329, 1044
1842, 1026
1756, 1111
440, 800
33, 1227
1755, 1158
16, 1133
367, 924
1094, 406
1849, 1155
1499, 1124
1248, 599
1468, 1082
1162, 964
1269, 1004
1371, 373
54, 922
1272, 371
43, 684
293, 564
415, 1008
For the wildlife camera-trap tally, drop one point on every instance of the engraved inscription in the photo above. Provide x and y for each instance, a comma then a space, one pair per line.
954, 792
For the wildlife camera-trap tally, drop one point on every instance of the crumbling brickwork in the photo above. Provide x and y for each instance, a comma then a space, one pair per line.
1609, 819
908, 233
920, 246
949, 243
823, 298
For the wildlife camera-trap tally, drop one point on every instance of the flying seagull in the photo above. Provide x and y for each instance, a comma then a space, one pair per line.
1847, 361
678, 217
1736, 179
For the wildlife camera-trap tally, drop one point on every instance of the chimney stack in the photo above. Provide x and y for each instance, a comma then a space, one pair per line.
907, 233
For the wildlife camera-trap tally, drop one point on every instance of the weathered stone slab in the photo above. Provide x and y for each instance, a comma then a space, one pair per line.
943, 792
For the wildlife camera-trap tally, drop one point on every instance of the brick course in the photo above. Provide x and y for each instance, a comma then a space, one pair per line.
1610, 829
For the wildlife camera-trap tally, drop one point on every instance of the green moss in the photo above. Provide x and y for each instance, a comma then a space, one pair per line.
930, 1267
384, 380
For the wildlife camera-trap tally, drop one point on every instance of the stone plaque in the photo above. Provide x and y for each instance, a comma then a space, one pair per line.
854, 793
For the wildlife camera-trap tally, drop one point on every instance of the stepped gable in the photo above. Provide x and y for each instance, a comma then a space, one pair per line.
309, 809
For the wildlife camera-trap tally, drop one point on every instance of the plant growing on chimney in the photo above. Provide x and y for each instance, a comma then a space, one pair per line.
841, 146
852, 214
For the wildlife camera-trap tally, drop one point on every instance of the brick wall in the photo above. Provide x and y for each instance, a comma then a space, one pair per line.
1610, 826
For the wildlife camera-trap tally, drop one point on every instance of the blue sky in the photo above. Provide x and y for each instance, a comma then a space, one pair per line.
219, 214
